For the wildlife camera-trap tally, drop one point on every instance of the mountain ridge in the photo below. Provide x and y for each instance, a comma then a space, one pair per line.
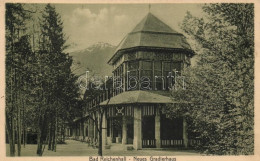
93, 59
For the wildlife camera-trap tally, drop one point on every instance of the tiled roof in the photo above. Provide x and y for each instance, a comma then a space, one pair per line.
153, 24
151, 32
131, 97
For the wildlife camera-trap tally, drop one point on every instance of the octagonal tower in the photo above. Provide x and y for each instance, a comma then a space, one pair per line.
144, 62
146, 55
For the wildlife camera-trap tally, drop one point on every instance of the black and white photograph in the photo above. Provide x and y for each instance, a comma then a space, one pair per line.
128, 81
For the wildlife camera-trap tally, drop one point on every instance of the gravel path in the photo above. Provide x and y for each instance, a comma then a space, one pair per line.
76, 148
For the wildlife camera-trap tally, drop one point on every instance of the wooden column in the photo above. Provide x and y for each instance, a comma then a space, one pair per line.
137, 128
185, 135
110, 138
111, 130
157, 128
104, 131
124, 130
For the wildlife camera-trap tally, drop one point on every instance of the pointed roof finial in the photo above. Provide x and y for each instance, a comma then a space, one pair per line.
149, 7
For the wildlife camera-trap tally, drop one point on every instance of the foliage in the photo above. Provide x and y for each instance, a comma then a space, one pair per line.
97, 113
220, 87
17, 52
41, 90
57, 89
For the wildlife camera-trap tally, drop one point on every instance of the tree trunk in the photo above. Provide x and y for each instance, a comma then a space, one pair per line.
25, 136
10, 123
24, 129
63, 131
10, 137
18, 133
13, 134
39, 142
10, 126
19, 127
53, 139
50, 137
39, 134
100, 152
56, 128
46, 141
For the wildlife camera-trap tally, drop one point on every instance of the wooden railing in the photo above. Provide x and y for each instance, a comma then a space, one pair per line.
171, 143
168, 143
148, 143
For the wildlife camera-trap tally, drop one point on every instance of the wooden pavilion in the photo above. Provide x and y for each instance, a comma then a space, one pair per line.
134, 116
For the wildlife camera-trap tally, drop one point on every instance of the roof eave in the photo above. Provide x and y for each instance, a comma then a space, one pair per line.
145, 47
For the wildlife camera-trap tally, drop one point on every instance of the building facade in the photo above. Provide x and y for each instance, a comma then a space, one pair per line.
146, 64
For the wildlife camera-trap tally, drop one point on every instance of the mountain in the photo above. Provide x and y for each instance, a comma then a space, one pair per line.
93, 59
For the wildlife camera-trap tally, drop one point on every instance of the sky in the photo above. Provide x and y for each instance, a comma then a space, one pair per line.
87, 24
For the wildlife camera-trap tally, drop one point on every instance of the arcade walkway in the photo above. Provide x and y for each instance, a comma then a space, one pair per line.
76, 148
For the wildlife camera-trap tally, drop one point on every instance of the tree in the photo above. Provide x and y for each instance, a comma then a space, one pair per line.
41, 91
96, 113
220, 87
57, 87
17, 51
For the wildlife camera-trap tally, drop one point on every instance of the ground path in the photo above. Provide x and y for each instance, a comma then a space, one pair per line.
76, 148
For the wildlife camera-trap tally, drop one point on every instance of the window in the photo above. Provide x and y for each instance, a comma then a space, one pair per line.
146, 75
146, 65
133, 65
158, 78
121, 77
163, 78
132, 75
176, 66
118, 79
169, 69
167, 73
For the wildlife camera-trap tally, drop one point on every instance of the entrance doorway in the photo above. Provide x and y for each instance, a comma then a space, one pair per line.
148, 132
130, 130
